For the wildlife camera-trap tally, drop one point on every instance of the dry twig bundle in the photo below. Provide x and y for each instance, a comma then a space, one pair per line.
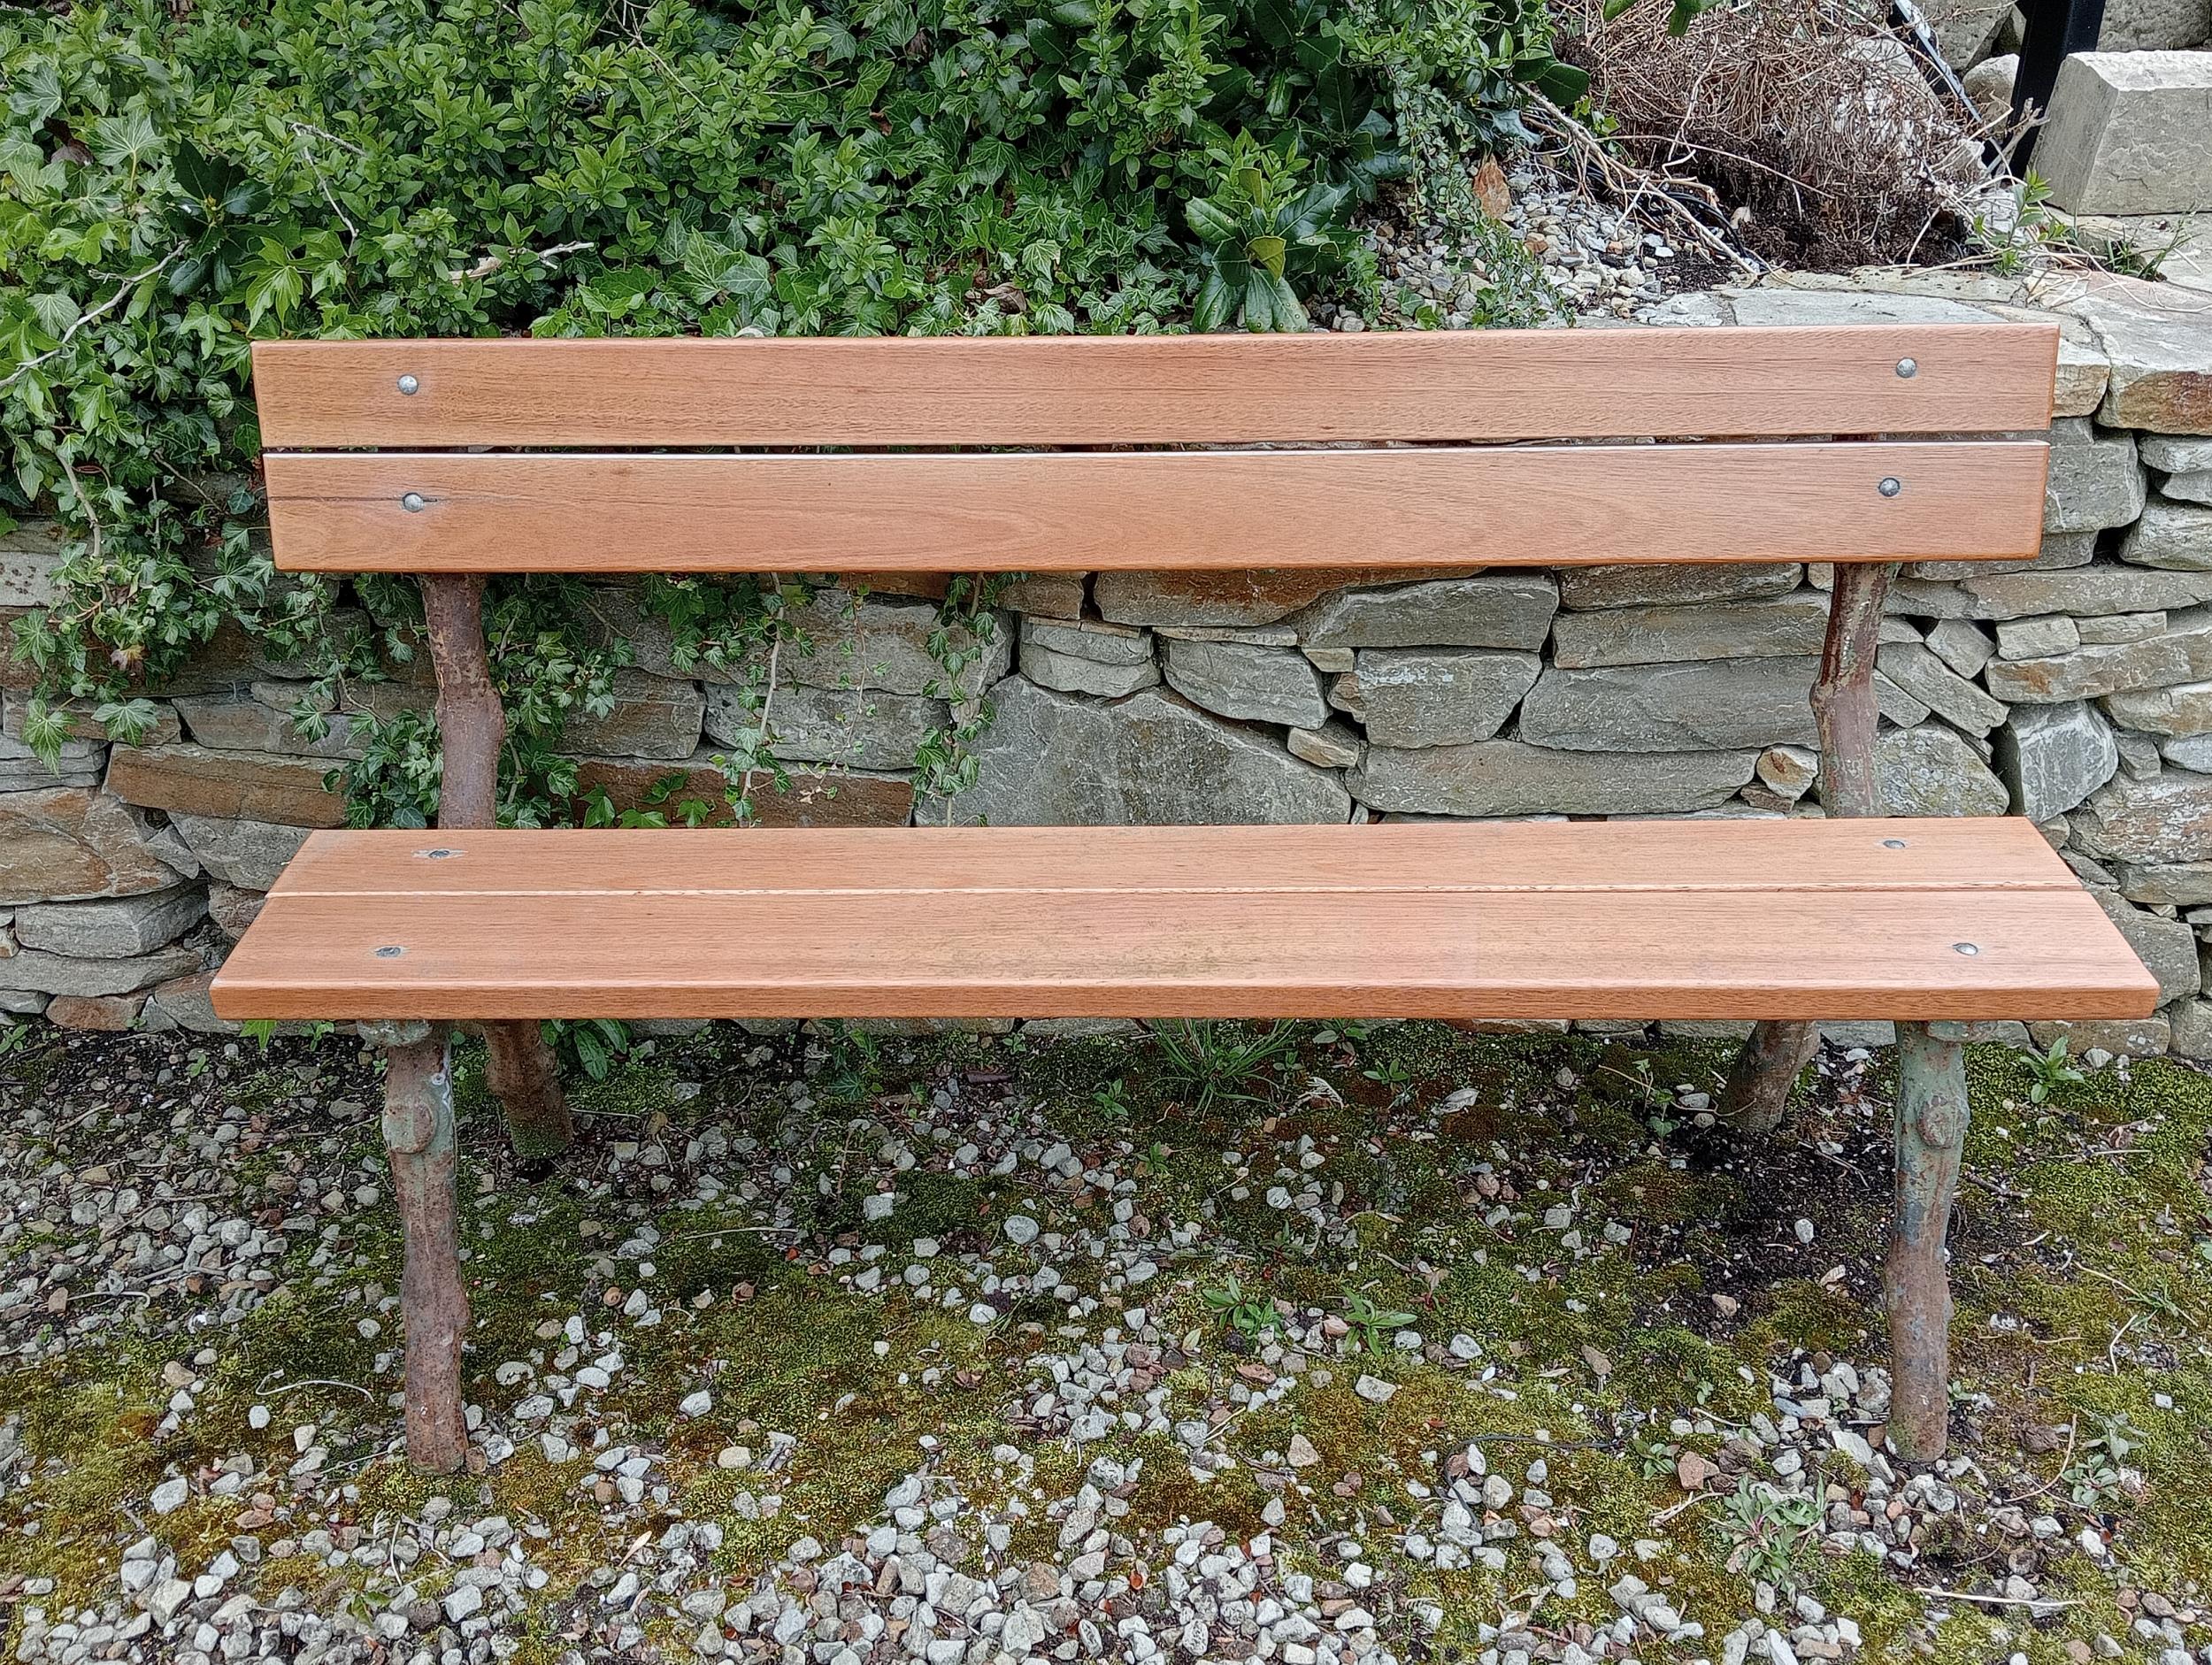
1807, 118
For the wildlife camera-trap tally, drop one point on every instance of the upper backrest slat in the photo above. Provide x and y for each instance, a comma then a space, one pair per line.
1159, 390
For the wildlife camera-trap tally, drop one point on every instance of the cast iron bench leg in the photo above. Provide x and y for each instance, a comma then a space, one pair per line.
1932, 1113
418, 1134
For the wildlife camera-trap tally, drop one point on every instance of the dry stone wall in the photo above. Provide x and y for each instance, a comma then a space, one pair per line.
2074, 688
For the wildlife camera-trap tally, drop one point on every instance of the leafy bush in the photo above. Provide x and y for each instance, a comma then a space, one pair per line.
177, 186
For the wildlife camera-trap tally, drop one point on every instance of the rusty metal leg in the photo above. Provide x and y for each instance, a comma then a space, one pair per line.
418, 1134
1932, 1115
1846, 712
521, 1070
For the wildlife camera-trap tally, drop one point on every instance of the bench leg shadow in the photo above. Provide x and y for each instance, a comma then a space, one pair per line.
1932, 1115
418, 1134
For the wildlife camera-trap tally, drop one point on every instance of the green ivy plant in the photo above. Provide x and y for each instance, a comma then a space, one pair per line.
175, 183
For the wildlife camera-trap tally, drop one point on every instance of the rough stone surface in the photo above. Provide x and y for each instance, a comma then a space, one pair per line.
1107, 660
2174, 454
2166, 884
2184, 709
2166, 819
1914, 668
2152, 26
2167, 947
2094, 480
1258, 596
71, 843
1440, 696
239, 721
1507, 777
2159, 339
2183, 654
1965, 648
189, 779
80, 763
1491, 609
29, 556
2129, 133
864, 727
2195, 486
2108, 587
2052, 757
110, 1014
653, 717
248, 854
2170, 535
840, 797
111, 928
1932, 769
2037, 638
1254, 685
1054, 759
1726, 704
1587, 587
68, 974
1785, 626
1332, 746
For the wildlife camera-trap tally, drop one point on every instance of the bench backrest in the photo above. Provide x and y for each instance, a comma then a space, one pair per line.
1073, 454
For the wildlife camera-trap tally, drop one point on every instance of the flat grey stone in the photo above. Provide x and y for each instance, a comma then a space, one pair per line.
1254, 685
1121, 646
1781, 627
652, 716
2159, 339
2183, 654
2170, 533
1440, 696
2150, 25
1934, 771
865, 728
2166, 884
1789, 771
1722, 703
2188, 751
2129, 133
1490, 609
80, 763
2174, 454
2166, 819
113, 929
1048, 668
1776, 305
2167, 947
1965, 648
2195, 486
2111, 629
2057, 552
1333, 746
248, 854
1509, 778
2037, 638
1682, 585
2183, 708
2107, 587
1054, 759
51, 974
1914, 668
2094, 480
239, 721
30, 555
73, 843
2053, 756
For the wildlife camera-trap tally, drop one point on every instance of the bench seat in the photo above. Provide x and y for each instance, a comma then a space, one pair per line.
1917, 919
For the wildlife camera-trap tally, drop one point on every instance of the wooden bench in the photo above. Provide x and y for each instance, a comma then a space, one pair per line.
1385, 451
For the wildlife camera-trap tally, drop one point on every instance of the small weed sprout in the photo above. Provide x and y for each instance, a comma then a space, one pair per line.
1373, 1328
1248, 1313
1214, 1064
1768, 1529
2052, 1070
2097, 1475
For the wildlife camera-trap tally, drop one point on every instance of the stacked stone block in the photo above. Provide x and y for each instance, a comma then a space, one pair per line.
2074, 687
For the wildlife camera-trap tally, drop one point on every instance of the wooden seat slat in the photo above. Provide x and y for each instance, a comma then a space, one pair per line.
1553, 506
926, 949
1668, 855
1115, 390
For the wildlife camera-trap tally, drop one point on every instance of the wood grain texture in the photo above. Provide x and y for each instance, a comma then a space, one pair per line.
1534, 505
922, 937
1160, 390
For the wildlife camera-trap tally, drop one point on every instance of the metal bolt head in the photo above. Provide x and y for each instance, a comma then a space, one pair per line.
1892, 844
1970, 950
1890, 486
390, 951
1907, 369
408, 384
439, 855
414, 503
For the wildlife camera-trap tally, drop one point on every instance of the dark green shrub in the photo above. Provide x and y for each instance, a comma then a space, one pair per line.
177, 186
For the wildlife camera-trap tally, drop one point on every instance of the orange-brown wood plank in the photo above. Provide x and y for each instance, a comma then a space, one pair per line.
1995, 852
1539, 505
1159, 390
920, 949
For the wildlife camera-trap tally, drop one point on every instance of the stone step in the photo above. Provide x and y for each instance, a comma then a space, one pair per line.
2129, 133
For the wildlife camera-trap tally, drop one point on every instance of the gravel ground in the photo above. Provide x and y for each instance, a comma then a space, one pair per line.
828, 1349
